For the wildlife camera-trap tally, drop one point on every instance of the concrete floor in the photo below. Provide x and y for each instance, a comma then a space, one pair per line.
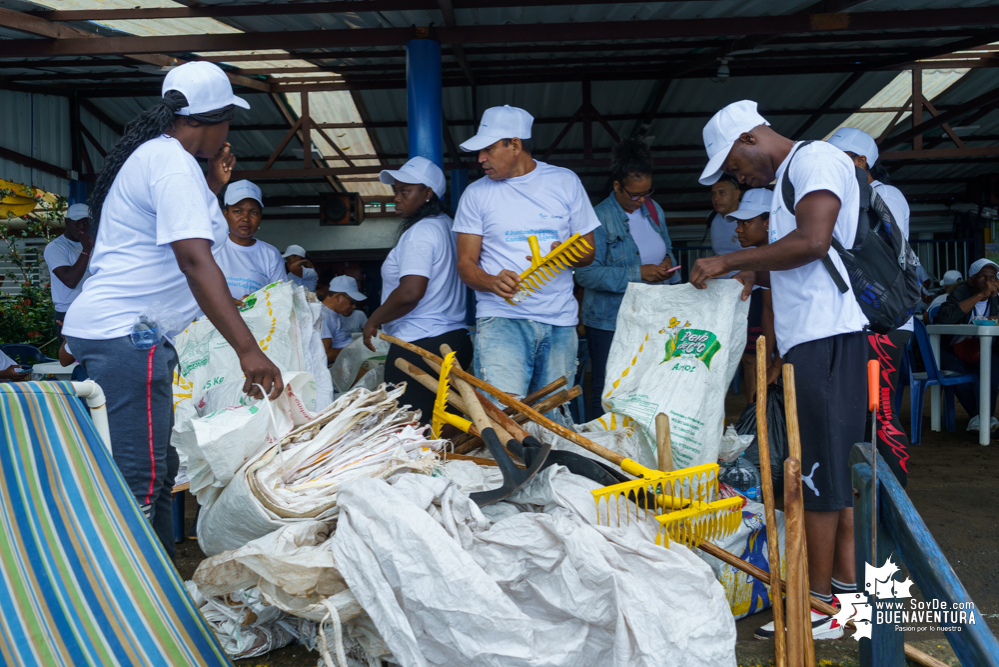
952, 482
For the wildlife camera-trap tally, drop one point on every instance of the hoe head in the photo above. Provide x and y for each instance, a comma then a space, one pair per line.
682, 501
513, 477
441, 416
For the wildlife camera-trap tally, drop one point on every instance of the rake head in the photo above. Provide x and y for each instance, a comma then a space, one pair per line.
545, 268
681, 501
441, 416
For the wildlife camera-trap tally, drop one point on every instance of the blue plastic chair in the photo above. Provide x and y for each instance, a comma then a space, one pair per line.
933, 376
932, 312
25, 355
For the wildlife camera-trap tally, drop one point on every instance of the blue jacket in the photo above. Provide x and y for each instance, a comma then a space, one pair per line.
617, 263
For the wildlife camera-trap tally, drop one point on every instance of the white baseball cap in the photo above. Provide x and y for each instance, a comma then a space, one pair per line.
294, 250
419, 170
348, 286
721, 133
240, 190
951, 277
78, 212
858, 142
505, 122
980, 264
754, 202
205, 86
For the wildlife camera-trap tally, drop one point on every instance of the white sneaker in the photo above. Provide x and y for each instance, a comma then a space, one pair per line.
973, 425
823, 627
994, 425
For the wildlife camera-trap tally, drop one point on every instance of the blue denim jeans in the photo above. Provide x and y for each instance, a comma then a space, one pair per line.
522, 356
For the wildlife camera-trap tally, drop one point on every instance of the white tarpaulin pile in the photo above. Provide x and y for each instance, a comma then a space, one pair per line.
545, 587
363, 434
675, 351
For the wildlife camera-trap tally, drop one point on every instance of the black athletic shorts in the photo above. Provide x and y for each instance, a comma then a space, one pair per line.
830, 376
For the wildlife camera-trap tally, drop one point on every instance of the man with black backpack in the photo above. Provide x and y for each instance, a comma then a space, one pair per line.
819, 326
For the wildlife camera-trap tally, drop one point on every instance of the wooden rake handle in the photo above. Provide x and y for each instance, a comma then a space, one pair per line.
512, 402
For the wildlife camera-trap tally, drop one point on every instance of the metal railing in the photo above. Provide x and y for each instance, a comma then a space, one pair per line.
687, 255
941, 256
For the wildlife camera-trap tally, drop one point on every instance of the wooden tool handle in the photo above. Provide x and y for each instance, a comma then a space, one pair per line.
773, 544
793, 538
508, 400
664, 444
466, 443
791, 413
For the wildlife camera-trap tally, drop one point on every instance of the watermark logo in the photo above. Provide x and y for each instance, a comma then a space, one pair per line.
886, 600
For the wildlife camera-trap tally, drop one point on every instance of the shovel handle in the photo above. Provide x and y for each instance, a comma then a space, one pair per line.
873, 384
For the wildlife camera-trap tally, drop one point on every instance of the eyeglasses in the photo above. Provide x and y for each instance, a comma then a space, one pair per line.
635, 197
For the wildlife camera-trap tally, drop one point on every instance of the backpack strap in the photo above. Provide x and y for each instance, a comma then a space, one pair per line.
653, 213
787, 194
707, 225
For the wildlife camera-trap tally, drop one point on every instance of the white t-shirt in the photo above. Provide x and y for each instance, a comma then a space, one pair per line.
548, 202
308, 280
356, 321
650, 244
723, 237
335, 328
895, 201
249, 268
63, 252
5, 361
426, 249
807, 304
159, 196
981, 308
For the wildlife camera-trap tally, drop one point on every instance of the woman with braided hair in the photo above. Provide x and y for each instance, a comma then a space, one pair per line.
157, 218
632, 246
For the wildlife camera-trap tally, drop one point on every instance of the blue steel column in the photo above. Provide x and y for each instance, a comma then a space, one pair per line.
423, 100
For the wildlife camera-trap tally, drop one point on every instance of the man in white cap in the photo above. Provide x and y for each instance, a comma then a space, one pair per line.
886, 349
523, 346
68, 257
247, 263
338, 305
300, 269
974, 300
951, 279
818, 328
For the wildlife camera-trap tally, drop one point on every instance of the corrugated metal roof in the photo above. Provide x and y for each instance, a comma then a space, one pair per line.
36, 126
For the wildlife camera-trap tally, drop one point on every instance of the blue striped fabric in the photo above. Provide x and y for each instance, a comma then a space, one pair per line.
84, 579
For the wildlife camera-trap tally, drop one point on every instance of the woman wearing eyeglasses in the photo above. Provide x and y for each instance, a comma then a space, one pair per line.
632, 245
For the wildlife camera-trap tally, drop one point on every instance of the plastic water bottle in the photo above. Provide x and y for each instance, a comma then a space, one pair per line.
742, 476
144, 335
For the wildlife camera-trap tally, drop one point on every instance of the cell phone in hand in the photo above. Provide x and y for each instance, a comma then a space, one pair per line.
668, 271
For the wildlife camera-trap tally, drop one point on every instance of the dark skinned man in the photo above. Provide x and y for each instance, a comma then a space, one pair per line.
819, 329
68, 257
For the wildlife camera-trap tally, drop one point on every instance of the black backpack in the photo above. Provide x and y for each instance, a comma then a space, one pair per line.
881, 266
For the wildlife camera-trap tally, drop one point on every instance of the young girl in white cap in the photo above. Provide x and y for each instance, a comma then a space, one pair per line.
157, 218
423, 300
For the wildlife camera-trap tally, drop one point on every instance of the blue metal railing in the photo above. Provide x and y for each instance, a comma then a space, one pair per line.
902, 531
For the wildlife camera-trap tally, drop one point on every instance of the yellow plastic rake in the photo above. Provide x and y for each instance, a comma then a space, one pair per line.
441, 416
681, 501
545, 268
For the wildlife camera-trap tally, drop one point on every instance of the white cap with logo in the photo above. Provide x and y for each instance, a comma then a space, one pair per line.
858, 142
294, 250
240, 190
348, 286
505, 122
418, 171
721, 133
78, 212
754, 202
205, 86
980, 264
951, 277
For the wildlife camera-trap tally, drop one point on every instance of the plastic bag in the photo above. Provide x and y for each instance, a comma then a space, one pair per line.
675, 351
776, 431
351, 358
733, 444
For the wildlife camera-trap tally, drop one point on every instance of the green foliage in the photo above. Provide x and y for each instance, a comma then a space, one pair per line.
27, 316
